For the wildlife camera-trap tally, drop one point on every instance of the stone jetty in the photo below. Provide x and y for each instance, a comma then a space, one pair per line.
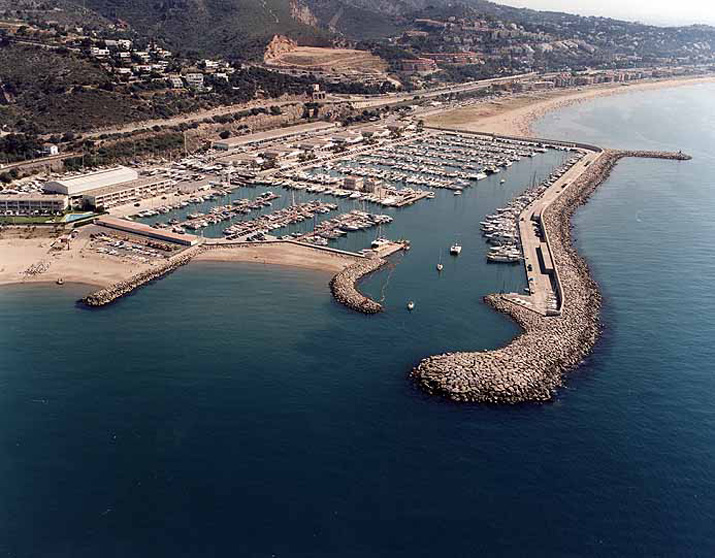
114, 292
532, 366
344, 285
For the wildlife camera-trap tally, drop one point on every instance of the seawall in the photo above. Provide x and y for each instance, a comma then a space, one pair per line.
532, 366
114, 292
344, 286
357, 267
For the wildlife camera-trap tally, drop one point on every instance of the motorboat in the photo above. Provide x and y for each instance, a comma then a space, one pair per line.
379, 242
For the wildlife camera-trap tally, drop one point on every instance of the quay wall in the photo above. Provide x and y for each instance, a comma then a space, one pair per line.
562, 143
532, 367
344, 286
220, 243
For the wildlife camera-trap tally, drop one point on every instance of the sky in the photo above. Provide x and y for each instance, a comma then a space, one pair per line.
658, 12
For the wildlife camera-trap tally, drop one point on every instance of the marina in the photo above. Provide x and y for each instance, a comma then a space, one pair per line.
394, 176
243, 373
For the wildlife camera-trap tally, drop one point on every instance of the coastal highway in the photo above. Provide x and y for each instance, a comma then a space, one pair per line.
541, 278
362, 102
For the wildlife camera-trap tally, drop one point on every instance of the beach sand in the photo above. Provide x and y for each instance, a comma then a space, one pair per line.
21, 251
280, 253
515, 115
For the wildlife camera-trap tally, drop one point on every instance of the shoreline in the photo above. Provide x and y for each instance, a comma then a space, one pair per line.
273, 253
516, 116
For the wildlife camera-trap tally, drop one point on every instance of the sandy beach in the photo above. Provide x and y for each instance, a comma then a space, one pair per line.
515, 115
279, 253
29, 257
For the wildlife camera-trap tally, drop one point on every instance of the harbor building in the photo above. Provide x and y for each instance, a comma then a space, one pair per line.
74, 186
127, 192
353, 183
280, 153
108, 188
375, 132
346, 138
147, 231
280, 134
33, 204
315, 145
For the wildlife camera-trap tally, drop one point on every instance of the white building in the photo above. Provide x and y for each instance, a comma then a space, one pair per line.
75, 186
346, 138
176, 82
99, 52
195, 79
127, 192
33, 204
145, 230
50, 149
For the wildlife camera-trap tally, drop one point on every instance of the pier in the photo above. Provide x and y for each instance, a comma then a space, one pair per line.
352, 267
111, 294
532, 366
344, 286
543, 280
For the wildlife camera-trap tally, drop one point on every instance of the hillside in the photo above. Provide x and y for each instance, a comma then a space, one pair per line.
232, 28
56, 92
284, 53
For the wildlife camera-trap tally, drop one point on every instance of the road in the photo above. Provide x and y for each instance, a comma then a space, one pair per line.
358, 101
540, 280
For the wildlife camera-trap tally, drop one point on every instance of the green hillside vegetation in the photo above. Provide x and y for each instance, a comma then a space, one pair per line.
236, 29
355, 21
56, 91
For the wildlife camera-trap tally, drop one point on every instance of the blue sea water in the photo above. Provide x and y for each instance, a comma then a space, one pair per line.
236, 409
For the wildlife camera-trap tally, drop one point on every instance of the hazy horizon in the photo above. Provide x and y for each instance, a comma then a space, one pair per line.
656, 12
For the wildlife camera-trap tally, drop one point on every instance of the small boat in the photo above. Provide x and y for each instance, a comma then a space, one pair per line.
379, 242
60, 281
455, 249
502, 181
458, 192
440, 267
410, 305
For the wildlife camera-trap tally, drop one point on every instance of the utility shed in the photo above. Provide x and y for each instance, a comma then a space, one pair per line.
545, 261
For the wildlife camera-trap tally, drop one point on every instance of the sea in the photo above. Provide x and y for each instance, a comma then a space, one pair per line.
237, 410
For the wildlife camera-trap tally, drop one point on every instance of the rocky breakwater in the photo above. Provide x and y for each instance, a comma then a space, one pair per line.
116, 291
344, 285
532, 366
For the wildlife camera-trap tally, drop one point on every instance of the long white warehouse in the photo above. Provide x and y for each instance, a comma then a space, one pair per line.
78, 185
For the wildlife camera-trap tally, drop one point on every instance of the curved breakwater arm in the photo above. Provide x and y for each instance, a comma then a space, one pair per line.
532, 366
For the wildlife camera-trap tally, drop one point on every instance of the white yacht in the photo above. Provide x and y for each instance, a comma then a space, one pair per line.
455, 249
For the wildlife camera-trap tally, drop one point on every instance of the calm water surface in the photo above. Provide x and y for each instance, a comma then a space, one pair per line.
236, 409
